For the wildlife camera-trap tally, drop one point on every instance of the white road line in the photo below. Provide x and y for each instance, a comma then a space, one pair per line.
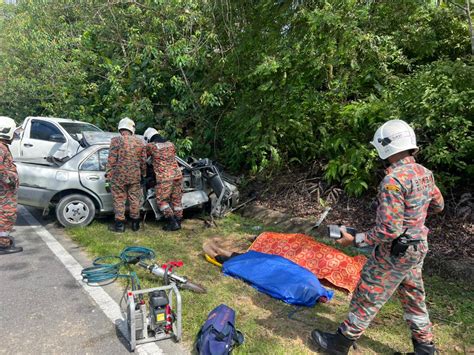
110, 308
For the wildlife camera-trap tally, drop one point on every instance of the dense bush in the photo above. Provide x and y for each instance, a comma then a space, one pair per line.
438, 100
102, 61
258, 85
316, 79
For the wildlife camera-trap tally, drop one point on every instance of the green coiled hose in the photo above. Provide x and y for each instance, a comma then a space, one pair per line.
106, 269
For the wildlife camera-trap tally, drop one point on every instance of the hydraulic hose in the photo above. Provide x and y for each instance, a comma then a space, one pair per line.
106, 269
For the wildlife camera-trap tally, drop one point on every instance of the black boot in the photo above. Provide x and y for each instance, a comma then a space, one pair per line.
117, 227
424, 348
9, 248
172, 224
135, 225
178, 220
335, 344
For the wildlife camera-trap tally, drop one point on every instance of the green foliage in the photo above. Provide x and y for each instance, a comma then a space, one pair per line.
424, 33
319, 77
439, 102
102, 61
36, 71
257, 85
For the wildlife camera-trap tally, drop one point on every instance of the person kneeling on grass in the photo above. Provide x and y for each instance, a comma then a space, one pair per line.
399, 238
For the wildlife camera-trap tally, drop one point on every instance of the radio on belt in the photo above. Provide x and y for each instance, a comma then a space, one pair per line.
334, 231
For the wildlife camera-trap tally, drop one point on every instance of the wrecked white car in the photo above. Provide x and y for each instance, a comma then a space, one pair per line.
76, 188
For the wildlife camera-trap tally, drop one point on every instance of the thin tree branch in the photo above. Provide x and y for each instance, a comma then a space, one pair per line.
469, 19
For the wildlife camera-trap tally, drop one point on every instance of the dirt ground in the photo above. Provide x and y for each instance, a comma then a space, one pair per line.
302, 195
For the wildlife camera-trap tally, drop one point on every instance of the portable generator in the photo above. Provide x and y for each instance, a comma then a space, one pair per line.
153, 314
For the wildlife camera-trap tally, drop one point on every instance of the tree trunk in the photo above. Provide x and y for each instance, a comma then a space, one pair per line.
469, 19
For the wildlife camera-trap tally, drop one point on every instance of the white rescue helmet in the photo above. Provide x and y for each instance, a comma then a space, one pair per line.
128, 124
393, 137
7, 128
149, 133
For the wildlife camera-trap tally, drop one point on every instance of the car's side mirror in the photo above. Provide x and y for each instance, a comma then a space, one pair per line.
17, 134
58, 138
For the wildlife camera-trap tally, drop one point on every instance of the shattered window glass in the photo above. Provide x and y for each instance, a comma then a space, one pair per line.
103, 156
97, 161
91, 163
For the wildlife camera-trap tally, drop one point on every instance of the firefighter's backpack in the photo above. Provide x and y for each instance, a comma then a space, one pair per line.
218, 335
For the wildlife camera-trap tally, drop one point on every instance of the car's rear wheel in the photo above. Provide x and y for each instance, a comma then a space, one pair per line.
75, 211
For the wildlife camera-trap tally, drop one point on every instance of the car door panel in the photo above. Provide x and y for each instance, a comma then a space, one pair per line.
36, 143
92, 177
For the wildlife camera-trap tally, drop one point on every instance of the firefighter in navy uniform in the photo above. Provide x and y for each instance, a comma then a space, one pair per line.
126, 168
406, 194
8, 188
169, 179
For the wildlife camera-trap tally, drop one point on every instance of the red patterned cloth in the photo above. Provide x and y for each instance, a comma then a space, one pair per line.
325, 262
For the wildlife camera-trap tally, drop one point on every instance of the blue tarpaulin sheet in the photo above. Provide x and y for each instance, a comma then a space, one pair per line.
277, 277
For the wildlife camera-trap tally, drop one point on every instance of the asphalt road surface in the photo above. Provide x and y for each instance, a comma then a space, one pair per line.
46, 309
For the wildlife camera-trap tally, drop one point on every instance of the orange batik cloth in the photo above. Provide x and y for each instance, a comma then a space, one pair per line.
325, 262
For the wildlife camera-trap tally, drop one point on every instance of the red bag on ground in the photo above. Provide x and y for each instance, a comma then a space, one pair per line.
325, 262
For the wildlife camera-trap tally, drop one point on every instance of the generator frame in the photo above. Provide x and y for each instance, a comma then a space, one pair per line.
140, 316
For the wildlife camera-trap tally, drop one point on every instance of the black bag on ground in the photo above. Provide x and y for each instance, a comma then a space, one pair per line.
218, 335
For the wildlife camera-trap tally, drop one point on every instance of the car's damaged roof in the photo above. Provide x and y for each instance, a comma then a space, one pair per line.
94, 138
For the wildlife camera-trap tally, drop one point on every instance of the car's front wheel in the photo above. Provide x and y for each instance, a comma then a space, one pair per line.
75, 211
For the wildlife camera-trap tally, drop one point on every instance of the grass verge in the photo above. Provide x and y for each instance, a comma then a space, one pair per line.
265, 321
